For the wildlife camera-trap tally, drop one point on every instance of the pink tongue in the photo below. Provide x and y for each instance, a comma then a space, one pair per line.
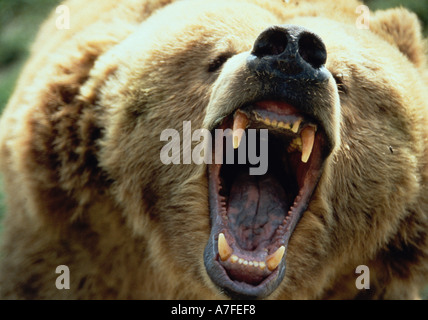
257, 206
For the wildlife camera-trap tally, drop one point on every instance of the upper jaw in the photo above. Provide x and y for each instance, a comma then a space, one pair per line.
238, 87
282, 119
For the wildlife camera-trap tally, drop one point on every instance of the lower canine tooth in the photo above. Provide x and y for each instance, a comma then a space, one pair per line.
274, 259
308, 137
224, 250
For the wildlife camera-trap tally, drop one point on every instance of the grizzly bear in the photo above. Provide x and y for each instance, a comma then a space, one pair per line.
119, 187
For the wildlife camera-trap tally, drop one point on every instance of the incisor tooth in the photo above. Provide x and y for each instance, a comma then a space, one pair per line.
233, 258
284, 125
296, 125
224, 250
308, 137
240, 122
274, 259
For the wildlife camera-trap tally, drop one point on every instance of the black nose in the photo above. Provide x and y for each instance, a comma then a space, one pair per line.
289, 51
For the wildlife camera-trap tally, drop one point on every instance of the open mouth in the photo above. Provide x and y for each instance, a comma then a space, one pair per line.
253, 216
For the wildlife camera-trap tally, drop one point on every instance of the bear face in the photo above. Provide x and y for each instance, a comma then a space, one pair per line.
345, 114
308, 96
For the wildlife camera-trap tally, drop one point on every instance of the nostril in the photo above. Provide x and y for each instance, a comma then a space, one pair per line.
312, 49
271, 42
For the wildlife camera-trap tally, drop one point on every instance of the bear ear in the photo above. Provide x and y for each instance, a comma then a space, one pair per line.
401, 28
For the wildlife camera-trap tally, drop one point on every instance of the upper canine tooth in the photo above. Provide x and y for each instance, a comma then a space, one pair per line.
296, 125
224, 250
308, 137
274, 259
240, 122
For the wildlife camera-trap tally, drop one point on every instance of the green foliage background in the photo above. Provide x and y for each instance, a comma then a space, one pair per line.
19, 21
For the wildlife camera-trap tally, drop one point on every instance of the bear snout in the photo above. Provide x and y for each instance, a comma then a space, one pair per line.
289, 51
287, 64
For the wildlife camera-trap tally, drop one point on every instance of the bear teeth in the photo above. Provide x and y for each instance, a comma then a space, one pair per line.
274, 259
226, 253
296, 126
293, 126
224, 250
284, 125
303, 143
308, 137
240, 123
254, 263
295, 145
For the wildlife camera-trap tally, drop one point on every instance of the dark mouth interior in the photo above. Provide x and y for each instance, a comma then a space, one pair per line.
256, 207
256, 214
258, 204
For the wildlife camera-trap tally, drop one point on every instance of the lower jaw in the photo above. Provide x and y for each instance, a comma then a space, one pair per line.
218, 270
237, 289
225, 273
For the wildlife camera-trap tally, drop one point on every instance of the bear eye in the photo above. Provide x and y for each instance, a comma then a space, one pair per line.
216, 63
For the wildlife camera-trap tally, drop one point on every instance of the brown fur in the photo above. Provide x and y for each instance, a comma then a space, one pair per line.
85, 187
